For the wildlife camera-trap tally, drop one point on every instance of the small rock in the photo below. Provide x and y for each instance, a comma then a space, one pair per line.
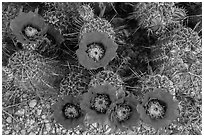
9, 120
25, 95
45, 132
6, 132
32, 133
23, 132
21, 119
39, 111
46, 121
53, 131
48, 106
28, 129
48, 127
32, 103
16, 127
43, 116
63, 131
20, 112
27, 123
32, 122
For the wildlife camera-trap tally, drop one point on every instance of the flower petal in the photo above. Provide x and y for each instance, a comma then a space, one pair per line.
170, 114
23, 19
92, 115
133, 120
59, 116
100, 37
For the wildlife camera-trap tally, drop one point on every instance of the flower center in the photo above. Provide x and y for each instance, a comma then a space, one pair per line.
123, 112
96, 51
30, 31
100, 103
156, 109
71, 111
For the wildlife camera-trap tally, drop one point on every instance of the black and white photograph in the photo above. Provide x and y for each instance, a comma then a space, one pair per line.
101, 68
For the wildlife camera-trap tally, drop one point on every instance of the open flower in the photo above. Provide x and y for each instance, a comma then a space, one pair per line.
158, 108
97, 102
68, 113
124, 114
96, 50
28, 27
